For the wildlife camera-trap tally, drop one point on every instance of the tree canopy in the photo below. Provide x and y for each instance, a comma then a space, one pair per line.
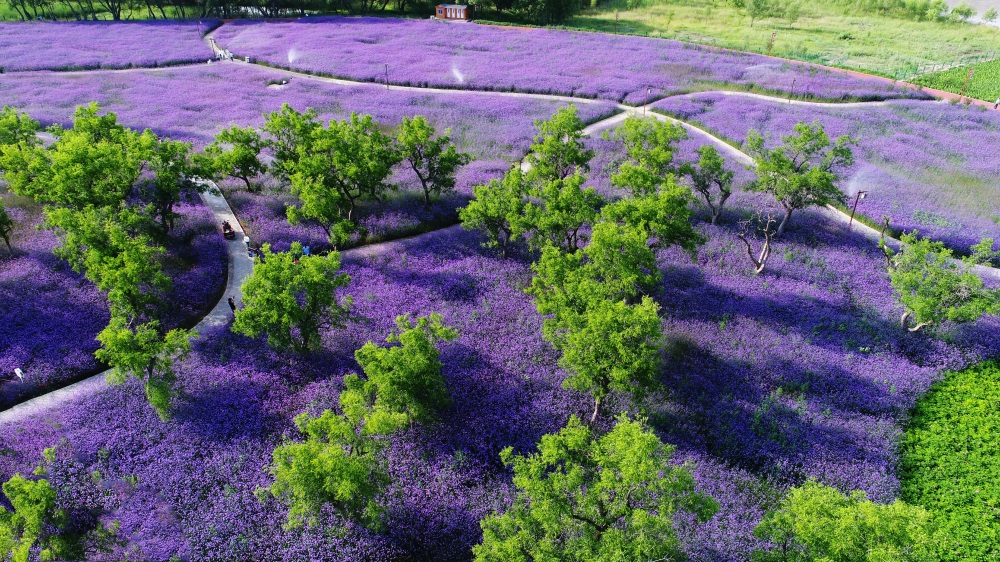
649, 154
556, 212
817, 522
17, 128
434, 160
588, 497
801, 172
933, 287
291, 297
496, 209
404, 381
558, 151
709, 174
236, 154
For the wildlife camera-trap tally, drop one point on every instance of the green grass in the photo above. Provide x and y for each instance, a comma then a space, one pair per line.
824, 33
984, 85
951, 461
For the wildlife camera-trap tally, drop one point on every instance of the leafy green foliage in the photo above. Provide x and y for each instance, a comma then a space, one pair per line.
290, 297
496, 209
112, 250
801, 172
556, 211
649, 149
236, 154
338, 465
617, 265
616, 348
144, 352
289, 130
709, 174
173, 172
817, 522
336, 167
405, 381
97, 162
34, 501
949, 461
665, 215
558, 151
934, 288
433, 160
583, 497
17, 128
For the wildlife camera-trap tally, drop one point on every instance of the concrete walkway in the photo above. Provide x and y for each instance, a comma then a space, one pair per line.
240, 266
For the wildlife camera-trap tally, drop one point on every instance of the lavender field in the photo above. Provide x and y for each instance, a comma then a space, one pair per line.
427, 53
772, 380
87, 45
51, 315
925, 165
767, 381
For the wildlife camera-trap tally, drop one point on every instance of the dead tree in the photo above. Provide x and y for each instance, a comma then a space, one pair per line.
746, 233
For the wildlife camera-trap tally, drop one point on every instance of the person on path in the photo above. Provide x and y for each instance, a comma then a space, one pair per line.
232, 305
997, 104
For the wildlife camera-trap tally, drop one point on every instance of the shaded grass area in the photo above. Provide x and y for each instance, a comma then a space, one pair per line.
950, 458
984, 83
823, 33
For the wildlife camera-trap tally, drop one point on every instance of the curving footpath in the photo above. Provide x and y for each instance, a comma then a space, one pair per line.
240, 267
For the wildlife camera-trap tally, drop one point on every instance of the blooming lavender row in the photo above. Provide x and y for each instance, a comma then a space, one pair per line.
51, 315
928, 166
194, 103
620, 68
772, 379
86, 45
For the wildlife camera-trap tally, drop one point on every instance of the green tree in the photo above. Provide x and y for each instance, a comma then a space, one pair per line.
584, 497
290, 133
17, 128
111, 249
962, 12
235, 154
817, 522
710, 174
433, 160
97, 162
143, 351
802, 172
496, 209
338, 464
340, 166
172, 178
616, 266
546, 12
291, 297
556, 211
405, 381
757, 9
990, 16
6, 226
558, 151
649, 154
34, 503
616, 348
933, 287
665, 215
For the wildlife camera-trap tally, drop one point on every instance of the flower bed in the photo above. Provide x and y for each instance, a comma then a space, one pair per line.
51, 315
86, 45
800, 372
440, 54
925, 165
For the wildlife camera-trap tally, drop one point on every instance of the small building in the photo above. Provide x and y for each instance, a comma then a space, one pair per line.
454, 12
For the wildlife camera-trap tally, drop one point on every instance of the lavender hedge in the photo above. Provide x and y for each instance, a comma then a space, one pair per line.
51, 315
620, 68
925, 165
799, 373
86, 45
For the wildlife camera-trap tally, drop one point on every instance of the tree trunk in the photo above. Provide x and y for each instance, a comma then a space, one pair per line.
597, 409
6, 241
784, 221
904, 322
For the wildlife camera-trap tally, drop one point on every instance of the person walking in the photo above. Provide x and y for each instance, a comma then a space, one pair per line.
997, 104
232, 305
